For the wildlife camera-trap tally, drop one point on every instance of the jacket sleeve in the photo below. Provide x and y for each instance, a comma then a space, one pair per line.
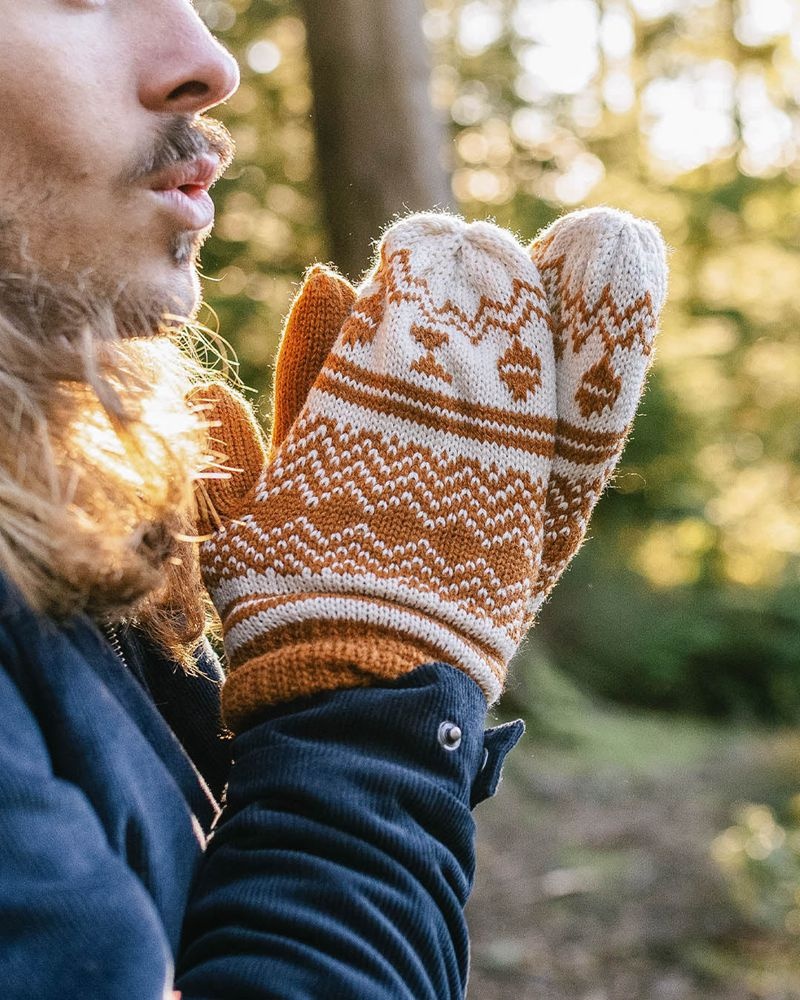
62, 887
339, 869
345, 852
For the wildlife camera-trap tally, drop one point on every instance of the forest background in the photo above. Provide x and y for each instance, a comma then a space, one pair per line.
682, 111
686, 598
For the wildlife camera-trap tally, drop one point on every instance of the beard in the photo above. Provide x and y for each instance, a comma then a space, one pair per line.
99, 449
185, 250
51, 311
99, 453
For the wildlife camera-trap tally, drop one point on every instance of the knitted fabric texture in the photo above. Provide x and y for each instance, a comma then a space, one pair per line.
605, 275
316, 316
404, 516
312, 325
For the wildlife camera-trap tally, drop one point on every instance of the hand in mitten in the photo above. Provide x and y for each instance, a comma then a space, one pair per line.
402, 520
605, 276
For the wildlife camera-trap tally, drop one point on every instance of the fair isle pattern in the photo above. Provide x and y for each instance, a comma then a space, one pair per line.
401, 519
605, 277
444, 467
398, 540
519, 366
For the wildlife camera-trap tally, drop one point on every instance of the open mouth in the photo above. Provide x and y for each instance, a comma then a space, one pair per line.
192, 190
183, 190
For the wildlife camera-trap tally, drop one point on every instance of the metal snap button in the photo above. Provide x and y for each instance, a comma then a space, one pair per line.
449, 736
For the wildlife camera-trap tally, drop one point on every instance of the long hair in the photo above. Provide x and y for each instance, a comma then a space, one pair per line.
100, 455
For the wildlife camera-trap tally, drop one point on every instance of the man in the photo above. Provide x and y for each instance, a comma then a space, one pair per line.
441, 437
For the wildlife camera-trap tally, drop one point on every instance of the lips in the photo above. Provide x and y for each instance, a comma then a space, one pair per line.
182, 190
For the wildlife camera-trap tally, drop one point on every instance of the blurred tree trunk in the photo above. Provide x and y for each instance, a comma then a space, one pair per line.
379, 141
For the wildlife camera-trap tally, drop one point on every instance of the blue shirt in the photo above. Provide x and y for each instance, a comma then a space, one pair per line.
336, 863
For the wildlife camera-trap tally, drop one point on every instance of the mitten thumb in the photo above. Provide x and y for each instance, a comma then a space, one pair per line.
236, 444
312, 326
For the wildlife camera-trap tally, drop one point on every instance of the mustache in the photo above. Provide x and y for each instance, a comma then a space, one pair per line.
179, 140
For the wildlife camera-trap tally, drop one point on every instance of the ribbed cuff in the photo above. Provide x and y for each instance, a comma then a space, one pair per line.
332, 658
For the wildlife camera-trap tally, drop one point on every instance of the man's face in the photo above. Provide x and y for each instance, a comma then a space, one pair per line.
103, 169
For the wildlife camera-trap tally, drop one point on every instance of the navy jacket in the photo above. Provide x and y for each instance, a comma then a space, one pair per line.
341, 856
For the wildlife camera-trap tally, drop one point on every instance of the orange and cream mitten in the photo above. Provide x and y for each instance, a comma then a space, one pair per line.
605, 276
402, 519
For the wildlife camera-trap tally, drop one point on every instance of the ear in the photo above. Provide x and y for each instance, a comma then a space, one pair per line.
312, 326
237, 443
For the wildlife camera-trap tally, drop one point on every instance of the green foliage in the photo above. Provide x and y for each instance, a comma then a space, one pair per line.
714, 651
760, 857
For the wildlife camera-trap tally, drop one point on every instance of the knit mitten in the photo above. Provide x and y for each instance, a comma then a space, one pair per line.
605, 276
401, 519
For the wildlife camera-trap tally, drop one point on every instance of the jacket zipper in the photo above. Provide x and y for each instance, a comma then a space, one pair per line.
113, 641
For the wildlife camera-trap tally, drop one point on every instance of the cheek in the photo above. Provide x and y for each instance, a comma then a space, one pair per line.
50, 143
56, 125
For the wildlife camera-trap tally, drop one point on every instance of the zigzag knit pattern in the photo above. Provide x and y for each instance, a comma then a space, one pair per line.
605, 275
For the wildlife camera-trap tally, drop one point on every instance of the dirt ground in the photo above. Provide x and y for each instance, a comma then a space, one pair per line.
595, 878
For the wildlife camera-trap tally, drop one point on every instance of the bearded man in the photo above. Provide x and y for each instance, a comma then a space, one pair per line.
440, 437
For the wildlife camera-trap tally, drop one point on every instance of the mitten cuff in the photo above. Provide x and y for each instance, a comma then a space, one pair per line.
307, 658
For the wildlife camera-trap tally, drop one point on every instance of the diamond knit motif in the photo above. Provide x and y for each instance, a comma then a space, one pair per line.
599, 389
605, 277
401, 519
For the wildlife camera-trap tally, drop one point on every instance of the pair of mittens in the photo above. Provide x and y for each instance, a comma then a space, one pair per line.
440, 439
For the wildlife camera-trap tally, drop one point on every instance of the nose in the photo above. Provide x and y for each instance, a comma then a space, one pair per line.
185, 70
